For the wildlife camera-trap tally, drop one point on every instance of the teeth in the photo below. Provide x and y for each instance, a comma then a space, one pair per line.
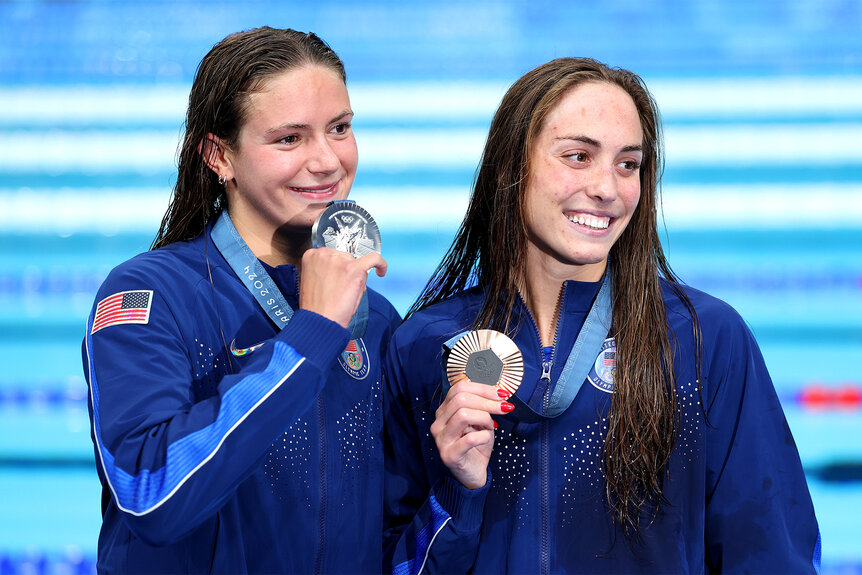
591, 221
312, 191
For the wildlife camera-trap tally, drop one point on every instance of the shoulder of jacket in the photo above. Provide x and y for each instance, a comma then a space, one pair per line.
440, 321
380, 305
175, 269
712, 313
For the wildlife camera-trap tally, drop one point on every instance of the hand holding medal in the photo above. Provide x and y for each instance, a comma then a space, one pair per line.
333, 284
483, 368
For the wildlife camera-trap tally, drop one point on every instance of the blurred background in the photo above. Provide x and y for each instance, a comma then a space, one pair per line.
762, 106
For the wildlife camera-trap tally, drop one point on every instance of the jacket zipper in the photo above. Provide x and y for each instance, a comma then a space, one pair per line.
547, 365
546, 433
544, 465
321, 524
545, 552
321, 471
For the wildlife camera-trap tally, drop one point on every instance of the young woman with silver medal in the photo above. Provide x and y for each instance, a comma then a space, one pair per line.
234, 372
634, 427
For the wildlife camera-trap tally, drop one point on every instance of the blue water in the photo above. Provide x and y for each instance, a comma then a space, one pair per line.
798, 283
162, 40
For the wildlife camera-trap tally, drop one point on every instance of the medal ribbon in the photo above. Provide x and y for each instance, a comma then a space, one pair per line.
581, 359
254, 276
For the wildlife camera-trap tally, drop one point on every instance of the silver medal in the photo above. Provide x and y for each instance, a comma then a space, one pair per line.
346, 227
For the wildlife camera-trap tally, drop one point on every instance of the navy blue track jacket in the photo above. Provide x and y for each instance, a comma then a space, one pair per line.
737, 499
222, 444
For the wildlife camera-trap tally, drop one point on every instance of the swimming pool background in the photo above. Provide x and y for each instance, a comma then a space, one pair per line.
762, 106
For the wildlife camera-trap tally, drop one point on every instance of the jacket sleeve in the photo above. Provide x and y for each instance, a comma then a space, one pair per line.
171, 461
759, 514
431, 521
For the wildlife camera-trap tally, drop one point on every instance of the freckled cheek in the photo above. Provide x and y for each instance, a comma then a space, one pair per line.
554, 186
567, 186
631, 196
561, 196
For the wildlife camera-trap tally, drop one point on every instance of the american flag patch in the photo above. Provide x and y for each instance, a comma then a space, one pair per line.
123, 307
610, 359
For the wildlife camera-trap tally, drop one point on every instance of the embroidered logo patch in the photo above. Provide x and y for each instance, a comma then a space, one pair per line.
123, 307
354, 359
245, 350
605, 367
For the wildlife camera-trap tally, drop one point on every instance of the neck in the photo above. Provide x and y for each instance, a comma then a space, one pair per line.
275, 248
287, 248
543, 287
542, 299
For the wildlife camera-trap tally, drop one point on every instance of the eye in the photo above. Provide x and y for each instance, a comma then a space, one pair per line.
341, 129
580, 157
289, 139
630, 166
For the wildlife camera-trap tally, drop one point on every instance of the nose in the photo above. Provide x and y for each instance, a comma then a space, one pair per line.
604, 184
322, 157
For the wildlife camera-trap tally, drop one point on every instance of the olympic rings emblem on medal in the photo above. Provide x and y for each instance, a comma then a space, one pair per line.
346, 227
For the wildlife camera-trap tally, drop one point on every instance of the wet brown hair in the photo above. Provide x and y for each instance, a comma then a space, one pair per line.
235, 68
491, 245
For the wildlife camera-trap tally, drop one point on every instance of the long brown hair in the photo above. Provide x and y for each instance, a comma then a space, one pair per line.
642, 423
231, 71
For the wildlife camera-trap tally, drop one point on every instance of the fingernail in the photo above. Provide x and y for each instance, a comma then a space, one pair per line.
502, 393
496, 425
506, 406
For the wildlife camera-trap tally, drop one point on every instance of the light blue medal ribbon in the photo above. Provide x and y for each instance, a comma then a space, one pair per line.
254, 276
587, 347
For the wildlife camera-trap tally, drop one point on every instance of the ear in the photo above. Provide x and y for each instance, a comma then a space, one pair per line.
216, 155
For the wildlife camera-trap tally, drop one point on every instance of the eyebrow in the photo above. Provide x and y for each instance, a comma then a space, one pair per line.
597, 144
285, 127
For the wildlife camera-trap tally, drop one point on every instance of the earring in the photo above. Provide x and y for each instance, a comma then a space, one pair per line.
221, 180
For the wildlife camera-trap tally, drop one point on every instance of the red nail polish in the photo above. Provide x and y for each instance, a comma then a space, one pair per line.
506, 407
496, 425
502, 393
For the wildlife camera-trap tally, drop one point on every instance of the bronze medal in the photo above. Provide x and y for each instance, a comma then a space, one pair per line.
486, 356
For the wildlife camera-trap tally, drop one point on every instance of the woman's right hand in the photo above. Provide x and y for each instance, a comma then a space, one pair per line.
331, 283
464, 430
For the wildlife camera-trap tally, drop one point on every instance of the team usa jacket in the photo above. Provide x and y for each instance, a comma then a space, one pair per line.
737, 499
222, 444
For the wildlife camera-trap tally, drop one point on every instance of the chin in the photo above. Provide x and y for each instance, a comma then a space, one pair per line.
587, 259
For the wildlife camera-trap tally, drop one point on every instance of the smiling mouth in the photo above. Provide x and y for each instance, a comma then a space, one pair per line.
593, 222
316, 189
